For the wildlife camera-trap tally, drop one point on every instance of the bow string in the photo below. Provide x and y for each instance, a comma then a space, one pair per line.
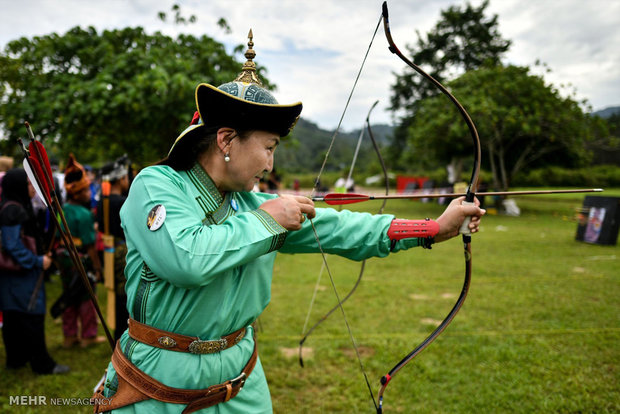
307, 333
315, 233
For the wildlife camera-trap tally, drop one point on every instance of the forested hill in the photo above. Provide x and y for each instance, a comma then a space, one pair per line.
607, 112
305, 149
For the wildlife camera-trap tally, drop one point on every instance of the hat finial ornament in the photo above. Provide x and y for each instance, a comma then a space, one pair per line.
248, 71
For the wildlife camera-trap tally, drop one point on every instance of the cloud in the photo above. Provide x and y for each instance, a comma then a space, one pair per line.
577, 40
313, 50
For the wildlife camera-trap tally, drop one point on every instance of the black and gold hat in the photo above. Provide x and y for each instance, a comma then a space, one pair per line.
240, 104
116, 169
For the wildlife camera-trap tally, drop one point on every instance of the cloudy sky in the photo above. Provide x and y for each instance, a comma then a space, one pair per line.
313, 49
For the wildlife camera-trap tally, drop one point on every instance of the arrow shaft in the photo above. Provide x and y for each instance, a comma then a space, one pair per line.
352, 198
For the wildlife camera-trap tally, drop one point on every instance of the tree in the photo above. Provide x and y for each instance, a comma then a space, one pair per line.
103, 94
178, 17
606, 146
462, 40
522, 123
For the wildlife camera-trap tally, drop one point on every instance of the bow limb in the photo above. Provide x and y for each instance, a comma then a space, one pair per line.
469, 198
307, 333
379, 157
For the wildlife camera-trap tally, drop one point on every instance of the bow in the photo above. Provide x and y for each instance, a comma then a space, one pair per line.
469, 198
464, 230
307, 333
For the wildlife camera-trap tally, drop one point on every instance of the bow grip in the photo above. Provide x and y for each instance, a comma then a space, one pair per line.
464, 230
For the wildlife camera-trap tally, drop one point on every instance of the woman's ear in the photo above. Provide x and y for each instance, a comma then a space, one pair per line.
224, 138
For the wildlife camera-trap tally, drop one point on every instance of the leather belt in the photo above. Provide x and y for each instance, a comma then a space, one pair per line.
135, 386
181, 343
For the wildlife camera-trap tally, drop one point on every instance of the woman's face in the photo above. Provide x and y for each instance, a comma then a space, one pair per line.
250, 159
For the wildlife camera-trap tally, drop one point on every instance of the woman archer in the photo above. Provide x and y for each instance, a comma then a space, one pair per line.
201, 248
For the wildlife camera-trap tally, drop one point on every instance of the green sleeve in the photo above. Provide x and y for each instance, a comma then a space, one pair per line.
86, 227
184, 251
353, 235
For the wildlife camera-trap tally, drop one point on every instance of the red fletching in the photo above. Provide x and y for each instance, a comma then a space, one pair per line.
41, 154
335, 199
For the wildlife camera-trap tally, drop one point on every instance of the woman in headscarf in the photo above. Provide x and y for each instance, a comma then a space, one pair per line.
22, 293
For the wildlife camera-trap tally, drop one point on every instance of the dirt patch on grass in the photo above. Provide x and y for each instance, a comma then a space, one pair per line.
430, 321
365, 351
307, 353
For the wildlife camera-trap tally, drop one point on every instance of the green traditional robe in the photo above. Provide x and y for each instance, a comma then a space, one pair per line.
206, 272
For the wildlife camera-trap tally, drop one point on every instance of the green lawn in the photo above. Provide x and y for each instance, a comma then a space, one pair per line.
539, 332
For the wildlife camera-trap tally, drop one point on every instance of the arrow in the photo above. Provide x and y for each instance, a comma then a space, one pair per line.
351, 198
37, 163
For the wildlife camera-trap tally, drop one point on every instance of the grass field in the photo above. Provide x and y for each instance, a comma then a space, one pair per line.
539, 332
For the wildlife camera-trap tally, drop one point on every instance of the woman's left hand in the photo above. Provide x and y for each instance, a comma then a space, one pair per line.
454, 215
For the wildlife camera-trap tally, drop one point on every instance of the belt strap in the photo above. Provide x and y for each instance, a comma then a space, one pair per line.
181, 343
135, 386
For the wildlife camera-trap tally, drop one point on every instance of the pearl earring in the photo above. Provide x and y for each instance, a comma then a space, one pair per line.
227, 157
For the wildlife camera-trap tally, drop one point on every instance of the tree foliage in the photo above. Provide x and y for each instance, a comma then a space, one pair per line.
104, 94
178, 16
606, 146
463, 39
522, 122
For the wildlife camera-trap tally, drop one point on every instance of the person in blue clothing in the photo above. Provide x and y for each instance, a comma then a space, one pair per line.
95, 187
22, 293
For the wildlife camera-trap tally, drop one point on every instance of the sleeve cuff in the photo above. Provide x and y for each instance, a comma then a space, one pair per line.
405, 244
279, 232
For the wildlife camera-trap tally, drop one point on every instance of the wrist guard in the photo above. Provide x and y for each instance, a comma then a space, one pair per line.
406, 229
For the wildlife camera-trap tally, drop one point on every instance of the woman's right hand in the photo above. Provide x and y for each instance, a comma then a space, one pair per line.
290, 211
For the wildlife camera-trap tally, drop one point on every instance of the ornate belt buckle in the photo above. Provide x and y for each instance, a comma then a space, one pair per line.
167, 342
199, 346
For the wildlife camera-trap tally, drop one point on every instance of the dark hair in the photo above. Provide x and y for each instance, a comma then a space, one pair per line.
15, 186
190, 148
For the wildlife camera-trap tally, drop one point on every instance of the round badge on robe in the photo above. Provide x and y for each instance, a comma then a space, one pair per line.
156, 217
234, 204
